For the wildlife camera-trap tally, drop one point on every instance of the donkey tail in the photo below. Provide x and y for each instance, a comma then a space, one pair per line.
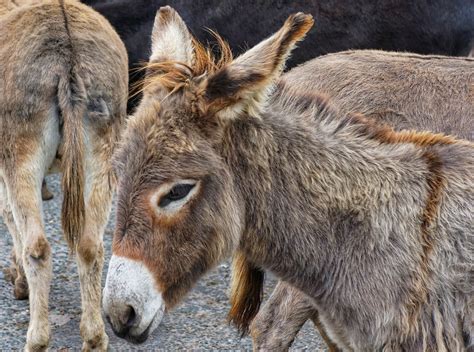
246, 292
72, 104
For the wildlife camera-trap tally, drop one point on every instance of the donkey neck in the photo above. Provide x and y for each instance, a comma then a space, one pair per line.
307, 183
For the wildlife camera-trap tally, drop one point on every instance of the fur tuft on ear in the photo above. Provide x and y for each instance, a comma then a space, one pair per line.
170, 38
246, 292
244, 84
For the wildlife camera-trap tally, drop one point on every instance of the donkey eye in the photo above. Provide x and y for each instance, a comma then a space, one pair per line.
178, 192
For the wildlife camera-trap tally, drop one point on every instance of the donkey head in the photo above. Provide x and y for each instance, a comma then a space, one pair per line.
179, 211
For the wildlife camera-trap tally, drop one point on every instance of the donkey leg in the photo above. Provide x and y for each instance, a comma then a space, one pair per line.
24, 195
16, 271
332, 347
276, 325
18, 276
280, 319
90, 251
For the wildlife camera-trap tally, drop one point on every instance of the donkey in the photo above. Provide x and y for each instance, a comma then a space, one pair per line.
374, 225
442, 27
365, 81
436, 27
63, 98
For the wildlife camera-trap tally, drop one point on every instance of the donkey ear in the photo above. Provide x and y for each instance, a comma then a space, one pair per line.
170, 38
244, 83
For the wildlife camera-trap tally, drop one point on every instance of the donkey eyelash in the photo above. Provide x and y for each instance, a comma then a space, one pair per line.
176, 193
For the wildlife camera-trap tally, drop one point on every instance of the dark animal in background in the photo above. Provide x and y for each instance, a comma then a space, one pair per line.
376, 226
444, 27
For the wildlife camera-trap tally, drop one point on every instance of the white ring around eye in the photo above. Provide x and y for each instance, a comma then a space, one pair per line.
177, 205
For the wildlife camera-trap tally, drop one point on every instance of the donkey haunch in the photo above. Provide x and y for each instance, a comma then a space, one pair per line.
63, 95
407, 91
374, 225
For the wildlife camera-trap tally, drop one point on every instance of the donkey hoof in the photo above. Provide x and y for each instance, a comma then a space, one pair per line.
37, 338
99, 343
36, 346
10, 274
21, 289
45, 192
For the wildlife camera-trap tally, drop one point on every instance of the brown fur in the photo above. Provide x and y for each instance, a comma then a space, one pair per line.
246, 292
386, 134
72, 103
332, 347
374, 82
331, 203
62, 104
405, 90
436, 183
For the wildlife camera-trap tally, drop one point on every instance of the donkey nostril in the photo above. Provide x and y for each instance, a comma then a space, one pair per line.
131, 317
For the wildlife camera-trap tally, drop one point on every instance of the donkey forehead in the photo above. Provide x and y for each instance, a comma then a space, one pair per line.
158, 126
162, 147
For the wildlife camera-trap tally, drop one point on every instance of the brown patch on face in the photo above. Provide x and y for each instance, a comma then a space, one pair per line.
177, 249
168, 221
246, 292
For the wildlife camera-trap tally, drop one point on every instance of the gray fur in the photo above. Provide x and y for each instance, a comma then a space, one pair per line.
404, 90
375, 226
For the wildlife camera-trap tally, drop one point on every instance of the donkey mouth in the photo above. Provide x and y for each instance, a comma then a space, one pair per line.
140, 338
126, 334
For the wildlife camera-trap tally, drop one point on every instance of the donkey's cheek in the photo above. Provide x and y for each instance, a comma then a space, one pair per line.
132, 303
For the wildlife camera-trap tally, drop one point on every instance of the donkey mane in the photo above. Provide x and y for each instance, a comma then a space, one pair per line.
320, 108
386, 134
174, 75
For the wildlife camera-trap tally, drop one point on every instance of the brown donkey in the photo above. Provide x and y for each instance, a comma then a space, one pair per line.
375, 226
405, 90
63, 100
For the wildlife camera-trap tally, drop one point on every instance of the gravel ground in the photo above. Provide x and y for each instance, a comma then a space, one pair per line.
199, 323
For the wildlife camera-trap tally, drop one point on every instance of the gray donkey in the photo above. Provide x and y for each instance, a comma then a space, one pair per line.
405, 90
375, 226
63, 97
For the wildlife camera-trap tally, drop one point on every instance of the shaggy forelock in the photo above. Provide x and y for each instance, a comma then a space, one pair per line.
174, 75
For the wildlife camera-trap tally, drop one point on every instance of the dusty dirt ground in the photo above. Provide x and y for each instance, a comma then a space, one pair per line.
199, 323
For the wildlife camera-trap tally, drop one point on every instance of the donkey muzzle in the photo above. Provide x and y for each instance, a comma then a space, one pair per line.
132, 304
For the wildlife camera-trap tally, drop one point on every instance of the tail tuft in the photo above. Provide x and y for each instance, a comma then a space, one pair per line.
72, 105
